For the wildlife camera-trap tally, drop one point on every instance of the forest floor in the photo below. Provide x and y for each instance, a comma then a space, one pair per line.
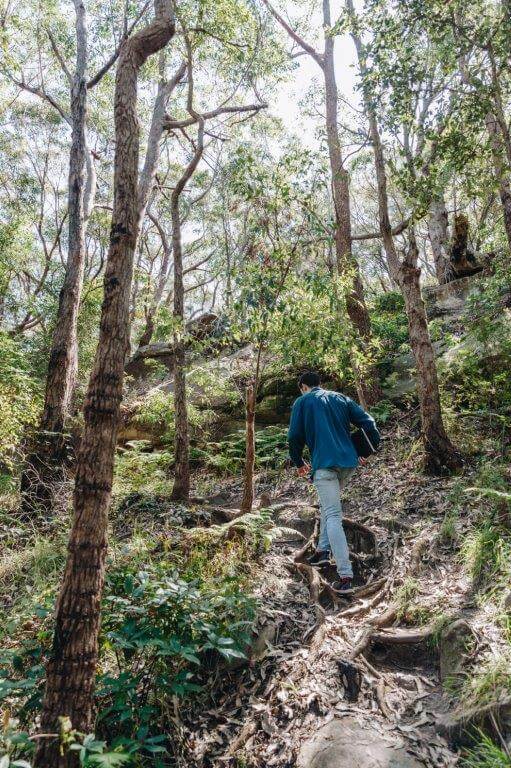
359, 682
395, 676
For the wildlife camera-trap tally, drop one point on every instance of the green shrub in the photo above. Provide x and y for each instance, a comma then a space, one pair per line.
19, 399
485, 755
28, 576
162, 630
228, 455
159, 631
388, 320
467, 384
156, 412
382, 411
488, 684
487, 553
487, 548
389, 301
213, 385
16, 747
477, 374
139, 470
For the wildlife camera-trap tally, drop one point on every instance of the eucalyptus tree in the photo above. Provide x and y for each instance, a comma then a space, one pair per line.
275, 201
472, 41
33, 216
346, 262
31, 72
167, 127
484, 36
215, 121
71, 669
438, 228
181, 488
440, 453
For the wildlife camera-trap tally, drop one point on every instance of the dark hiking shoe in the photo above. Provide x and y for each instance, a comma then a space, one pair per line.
321, 557
345, 584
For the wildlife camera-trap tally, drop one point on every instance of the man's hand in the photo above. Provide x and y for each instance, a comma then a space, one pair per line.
304, 470
362, 461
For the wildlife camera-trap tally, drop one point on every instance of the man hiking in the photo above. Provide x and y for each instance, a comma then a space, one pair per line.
321, 420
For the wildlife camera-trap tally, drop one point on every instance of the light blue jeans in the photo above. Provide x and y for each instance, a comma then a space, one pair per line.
329, 483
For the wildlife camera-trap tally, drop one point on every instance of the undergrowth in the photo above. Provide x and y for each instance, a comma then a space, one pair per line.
228, 455
487, 684
485, 755
174, 609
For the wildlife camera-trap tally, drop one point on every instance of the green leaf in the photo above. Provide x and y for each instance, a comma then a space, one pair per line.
109, 759
225, 641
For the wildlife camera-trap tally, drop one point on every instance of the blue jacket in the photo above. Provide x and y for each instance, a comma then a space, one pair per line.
321, 420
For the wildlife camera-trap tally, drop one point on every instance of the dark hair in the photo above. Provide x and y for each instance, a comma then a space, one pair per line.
310, 379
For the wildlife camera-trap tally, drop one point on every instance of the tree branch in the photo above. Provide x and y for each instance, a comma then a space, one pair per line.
42, 94
113, 58
197, 264
397, 230
59, 56
318, 57
171, 124
217, 37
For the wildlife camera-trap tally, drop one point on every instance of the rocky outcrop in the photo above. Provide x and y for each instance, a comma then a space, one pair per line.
455, 643
463, 728
351, 743
448, 300
446, 303
139, 364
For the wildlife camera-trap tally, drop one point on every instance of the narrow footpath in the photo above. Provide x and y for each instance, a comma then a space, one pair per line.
338, 682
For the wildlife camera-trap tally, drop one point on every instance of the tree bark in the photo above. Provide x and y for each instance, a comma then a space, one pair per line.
181, 489
248, 476
368, 386
438, 235
44, 467
440, 452
369, 390
501, 172
70, 672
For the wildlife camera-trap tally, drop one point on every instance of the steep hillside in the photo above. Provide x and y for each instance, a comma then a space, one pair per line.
221, 646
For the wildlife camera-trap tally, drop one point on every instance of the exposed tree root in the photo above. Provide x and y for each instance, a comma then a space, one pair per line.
402, 637
369, 589
299, 556
389, 615
364, 531
382, 701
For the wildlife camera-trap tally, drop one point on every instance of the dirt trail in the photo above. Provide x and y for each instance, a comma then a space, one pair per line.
347, 683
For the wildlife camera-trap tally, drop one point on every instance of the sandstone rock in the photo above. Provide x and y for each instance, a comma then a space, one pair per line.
463, 728
346, 743
263, 640
455, 640
162, 352
449, 299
